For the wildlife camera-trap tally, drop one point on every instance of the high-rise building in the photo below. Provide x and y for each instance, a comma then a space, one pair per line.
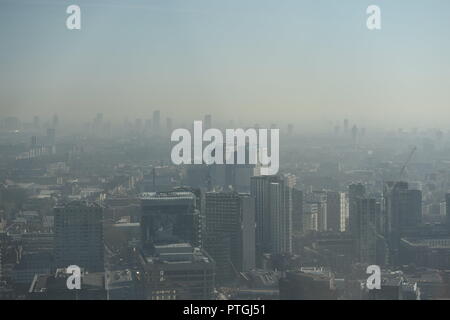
297, 211
337, 211
230, 232
402, 211
413, 218
169, 217
310, 216
366, 232
156, 121
3, 247
317, 205
447, 211
79, 236
333, 211
355, 192
273, 207
344, 212
260, 190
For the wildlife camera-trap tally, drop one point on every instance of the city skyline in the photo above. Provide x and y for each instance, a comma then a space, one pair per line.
312, 60
224, 150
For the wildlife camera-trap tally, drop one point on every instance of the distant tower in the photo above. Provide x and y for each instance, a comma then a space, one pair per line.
354, 133
156, 121
345, 125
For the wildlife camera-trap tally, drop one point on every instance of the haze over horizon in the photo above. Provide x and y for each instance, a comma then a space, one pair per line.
307, 62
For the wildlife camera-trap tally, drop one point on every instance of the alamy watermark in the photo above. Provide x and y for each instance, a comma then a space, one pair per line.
374, 19
374, 280
74, 280
73, 21
233, 149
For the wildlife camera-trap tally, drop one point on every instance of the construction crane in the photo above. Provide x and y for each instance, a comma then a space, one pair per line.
402, 171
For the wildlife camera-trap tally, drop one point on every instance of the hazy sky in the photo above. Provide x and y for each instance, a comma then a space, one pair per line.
306, 62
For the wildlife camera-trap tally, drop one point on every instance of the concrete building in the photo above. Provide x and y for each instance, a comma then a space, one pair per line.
366, 232
355, 192
54, 287
177, 272
230, 232
308, 284
273, 207
402, 212
169, 217
334, 211
426, 252
79, 236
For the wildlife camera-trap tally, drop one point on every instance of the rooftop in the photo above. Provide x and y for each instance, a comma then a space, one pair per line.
173, 195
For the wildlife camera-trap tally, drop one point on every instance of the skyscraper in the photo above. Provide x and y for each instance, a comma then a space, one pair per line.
366, 233
273, 207
333, 211
230, 232
156, 126
413, 218
79, 236
319, 198
447, 211
297, 211
337, 211
402, 211
355, 192
280, 206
